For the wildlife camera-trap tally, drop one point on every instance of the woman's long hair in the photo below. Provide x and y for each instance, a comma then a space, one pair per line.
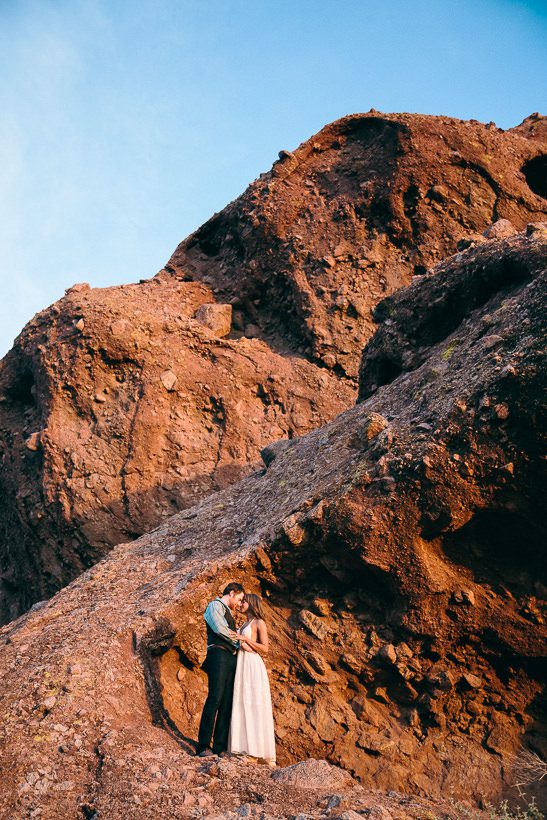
255, 606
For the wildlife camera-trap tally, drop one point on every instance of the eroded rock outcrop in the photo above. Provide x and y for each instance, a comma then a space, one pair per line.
122, 405
398, 550
353, 214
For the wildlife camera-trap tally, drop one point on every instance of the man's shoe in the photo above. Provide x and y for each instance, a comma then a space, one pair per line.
205, 753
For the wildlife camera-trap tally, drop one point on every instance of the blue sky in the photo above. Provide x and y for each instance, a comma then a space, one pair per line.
126, 123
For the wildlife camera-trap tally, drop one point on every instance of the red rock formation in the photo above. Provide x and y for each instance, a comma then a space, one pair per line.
352, 214
119, 406
398, 549
123, 405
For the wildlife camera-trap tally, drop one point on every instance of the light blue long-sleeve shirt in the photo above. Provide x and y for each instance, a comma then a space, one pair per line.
215, 617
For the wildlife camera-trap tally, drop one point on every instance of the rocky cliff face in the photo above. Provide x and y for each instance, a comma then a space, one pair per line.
353, 214
122, 405
398, 550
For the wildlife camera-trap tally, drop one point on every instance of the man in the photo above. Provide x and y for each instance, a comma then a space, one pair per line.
220, 665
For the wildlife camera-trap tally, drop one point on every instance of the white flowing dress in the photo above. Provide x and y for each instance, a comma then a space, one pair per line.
252, 726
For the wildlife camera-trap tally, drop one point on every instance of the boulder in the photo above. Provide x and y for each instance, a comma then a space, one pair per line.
500, 230
218, 318
313, 774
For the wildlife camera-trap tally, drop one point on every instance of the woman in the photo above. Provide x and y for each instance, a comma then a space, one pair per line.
252, 727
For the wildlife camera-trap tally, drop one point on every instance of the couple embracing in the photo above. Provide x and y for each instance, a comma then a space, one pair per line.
237, 715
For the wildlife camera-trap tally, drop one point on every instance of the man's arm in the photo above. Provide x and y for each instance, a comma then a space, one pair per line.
215, 617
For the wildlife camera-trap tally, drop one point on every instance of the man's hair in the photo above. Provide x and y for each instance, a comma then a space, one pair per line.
233, 587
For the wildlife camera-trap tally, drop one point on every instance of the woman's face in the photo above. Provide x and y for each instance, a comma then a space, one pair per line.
244, 605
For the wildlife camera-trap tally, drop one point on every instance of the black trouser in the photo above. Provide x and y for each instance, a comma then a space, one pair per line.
220, 666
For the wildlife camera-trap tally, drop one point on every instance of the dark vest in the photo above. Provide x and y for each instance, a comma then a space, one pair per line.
214, 639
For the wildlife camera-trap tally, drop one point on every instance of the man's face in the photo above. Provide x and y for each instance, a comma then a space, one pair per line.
235, 600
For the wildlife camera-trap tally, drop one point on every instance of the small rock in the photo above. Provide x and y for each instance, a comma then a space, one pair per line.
404, 650
168, 379
273, 450
303, 696
216, 317
323, 722
313, 624
351, 663
294, 532
500, 230
469, 241
322, 606
387, 653
33, 442
252, 331
438, 193
536, 229
375, 742
508, 371
374, 425
316, 662
100, 398
500, 735
472, 680
464, 596
367, 710
331, 802
406, 692
317, 513
378, 813
380, 693
441, 679
120, 327
501, 411
80, 324
263, 558
78, 288
414, 719
342, 249
283, 154
488, 342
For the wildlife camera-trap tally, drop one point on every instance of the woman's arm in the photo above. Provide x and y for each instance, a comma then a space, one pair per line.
262, 644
